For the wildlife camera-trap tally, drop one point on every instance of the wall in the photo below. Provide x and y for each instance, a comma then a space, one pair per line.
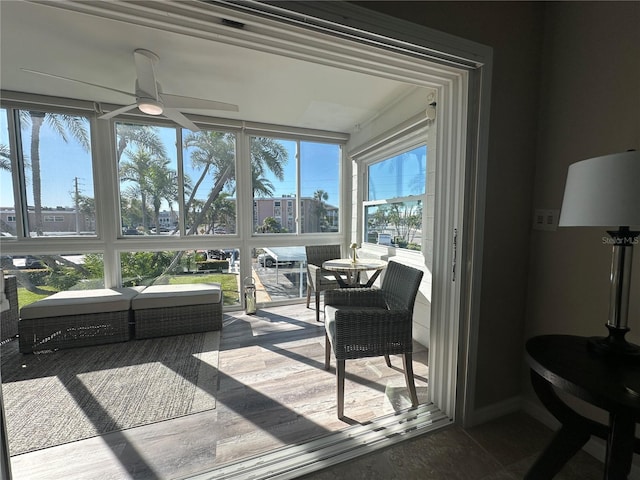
514, 30
591, 107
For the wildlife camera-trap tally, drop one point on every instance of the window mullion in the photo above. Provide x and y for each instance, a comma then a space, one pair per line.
18, 173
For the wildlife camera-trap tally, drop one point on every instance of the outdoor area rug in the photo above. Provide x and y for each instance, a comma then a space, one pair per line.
57, 397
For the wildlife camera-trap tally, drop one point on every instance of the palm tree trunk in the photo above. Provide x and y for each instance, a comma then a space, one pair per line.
37, 119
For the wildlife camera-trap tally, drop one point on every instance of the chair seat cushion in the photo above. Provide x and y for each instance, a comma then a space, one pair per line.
161, 296
81, 302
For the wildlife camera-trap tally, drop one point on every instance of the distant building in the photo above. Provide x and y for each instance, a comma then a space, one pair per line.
54, 220
315, 216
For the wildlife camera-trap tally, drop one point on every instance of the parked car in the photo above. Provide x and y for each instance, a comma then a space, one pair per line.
216, 255
266, 260
33, 262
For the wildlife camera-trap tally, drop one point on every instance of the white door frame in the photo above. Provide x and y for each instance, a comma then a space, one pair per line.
348, 36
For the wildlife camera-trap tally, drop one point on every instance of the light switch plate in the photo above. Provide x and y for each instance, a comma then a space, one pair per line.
545, 219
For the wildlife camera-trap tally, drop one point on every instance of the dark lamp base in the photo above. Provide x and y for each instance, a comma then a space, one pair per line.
615, 345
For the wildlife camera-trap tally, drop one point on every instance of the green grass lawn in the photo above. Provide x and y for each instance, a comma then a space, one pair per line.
228, 281
25, 297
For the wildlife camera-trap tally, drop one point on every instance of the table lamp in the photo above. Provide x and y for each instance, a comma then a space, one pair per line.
605, 192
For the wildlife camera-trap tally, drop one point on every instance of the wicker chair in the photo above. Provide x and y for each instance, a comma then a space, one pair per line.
9, 317
319, 279
370, 322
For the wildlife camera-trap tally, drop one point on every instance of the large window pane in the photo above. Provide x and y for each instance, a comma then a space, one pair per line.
319, 187
59, 173
395, 224
280, 273
147, 166
396, 194
399, 176
210, 182
274, 185
276, 164
7, 201
41, 275
188, 266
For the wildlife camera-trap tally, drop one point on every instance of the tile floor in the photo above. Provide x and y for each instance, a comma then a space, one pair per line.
502, 449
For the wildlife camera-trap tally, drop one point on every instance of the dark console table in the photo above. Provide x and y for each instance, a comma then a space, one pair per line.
562, 362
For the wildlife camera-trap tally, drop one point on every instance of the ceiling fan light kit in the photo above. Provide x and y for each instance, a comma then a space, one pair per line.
149, 97
149, 106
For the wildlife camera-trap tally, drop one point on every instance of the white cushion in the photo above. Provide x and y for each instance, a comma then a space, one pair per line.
81, 302
161, 296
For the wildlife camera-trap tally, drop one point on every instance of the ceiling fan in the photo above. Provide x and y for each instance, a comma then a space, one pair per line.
149, 96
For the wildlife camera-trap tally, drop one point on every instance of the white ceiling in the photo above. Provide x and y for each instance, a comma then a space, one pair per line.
268, 88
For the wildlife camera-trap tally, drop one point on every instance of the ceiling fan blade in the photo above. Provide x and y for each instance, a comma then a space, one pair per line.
129, 94
117, 111
180, 119
178, 101
145, 68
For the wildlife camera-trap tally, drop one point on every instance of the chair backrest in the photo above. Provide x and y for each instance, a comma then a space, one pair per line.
400, 285
318, 254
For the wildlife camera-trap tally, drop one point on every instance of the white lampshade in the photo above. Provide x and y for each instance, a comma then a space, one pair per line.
603, 192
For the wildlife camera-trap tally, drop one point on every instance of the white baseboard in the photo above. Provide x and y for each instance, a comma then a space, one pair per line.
496, 410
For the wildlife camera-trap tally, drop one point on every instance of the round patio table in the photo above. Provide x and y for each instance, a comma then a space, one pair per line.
346, 268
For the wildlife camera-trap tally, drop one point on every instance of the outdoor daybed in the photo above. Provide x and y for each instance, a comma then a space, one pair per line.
161, 310
76, 318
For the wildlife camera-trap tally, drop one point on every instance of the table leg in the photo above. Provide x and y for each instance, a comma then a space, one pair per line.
620, 446
574, 433
565, 444
373, 278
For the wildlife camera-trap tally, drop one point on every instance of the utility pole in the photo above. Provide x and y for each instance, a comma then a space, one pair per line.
77, 202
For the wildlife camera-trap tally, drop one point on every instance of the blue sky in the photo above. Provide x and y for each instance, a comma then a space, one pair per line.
62, 162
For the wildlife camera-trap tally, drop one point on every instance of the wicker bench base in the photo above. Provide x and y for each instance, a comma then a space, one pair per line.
51, 333
165, 321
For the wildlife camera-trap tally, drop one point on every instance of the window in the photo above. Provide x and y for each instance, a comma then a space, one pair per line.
55, 177
276, 165
7, 202
396, 189
147, 168
209, 166
184, 266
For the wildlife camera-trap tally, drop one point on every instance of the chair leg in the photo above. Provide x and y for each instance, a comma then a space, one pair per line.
327, 352
388, 360
340, 378
317, 306
308, 294
407, 360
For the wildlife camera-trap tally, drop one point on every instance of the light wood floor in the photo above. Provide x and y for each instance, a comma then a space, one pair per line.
272, 391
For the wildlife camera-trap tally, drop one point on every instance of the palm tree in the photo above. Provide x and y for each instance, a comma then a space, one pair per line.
137, 170
163, 186
5, 158
64, 125
214, 154
320, 196
141, 136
